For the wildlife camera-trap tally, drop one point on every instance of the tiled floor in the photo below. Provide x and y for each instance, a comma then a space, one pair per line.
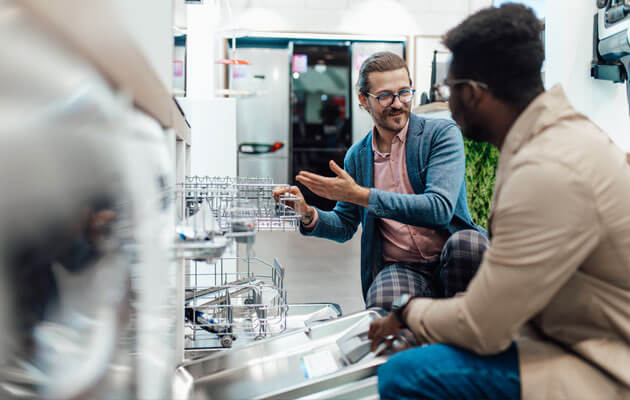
317, 270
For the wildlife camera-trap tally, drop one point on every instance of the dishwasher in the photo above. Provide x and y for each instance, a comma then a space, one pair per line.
242, 338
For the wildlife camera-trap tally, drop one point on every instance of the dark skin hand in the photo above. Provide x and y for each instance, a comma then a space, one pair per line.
382, 328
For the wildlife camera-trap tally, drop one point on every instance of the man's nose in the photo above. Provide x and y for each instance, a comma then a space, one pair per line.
397, 103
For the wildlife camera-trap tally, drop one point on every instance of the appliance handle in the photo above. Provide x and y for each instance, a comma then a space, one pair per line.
259, 148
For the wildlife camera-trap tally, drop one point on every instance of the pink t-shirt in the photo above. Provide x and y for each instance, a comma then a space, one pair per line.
401, 242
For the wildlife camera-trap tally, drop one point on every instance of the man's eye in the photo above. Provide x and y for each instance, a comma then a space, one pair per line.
385, 96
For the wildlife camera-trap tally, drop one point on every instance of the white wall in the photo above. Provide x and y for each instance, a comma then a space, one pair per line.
213, 125
569, 52
150, 23
408, 17
203, 23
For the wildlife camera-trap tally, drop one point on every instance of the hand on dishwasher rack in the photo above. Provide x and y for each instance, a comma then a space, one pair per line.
307, 211
382, 329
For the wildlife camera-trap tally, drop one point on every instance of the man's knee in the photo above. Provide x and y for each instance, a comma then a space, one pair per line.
390, 378
467, 244
409, 373
460, 260
375, 300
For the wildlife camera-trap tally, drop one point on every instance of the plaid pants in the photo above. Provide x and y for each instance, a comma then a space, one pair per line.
442, 276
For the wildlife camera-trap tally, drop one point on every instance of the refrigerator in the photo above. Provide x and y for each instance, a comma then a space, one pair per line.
262, 112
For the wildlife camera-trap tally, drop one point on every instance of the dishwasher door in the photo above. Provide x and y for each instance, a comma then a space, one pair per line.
297, 364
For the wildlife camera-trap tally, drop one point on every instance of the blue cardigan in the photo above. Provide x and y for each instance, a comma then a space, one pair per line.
436, 166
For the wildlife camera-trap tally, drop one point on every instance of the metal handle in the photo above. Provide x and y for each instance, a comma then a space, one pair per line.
259, 148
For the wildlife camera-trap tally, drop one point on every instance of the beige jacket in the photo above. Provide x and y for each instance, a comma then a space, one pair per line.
556, 277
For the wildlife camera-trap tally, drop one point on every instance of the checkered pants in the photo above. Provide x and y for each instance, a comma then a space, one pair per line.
442, 276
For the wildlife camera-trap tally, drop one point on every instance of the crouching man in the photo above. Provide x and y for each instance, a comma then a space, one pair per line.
404, 183
547, 316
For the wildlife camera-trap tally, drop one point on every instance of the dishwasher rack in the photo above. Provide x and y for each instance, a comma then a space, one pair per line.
222, 307
240, 204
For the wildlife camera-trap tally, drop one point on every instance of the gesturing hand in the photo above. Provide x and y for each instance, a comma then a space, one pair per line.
340, 188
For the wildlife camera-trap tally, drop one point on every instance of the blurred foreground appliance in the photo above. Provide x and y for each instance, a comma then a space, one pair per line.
611, 42
86, 224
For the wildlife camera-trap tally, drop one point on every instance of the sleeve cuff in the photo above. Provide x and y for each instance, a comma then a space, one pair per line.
417, 308
374, 207
313, 222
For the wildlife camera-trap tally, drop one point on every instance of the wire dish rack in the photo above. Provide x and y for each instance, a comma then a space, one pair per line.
213, 211
223, 308
241, 204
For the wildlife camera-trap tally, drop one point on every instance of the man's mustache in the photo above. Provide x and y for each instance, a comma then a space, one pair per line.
395, 110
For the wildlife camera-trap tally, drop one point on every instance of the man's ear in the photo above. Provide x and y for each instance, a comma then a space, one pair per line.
363, 102
471, 95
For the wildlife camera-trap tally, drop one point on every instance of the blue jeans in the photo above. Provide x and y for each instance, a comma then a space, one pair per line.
440, 371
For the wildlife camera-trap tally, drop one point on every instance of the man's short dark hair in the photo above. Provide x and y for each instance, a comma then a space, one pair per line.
382, 61
503, 48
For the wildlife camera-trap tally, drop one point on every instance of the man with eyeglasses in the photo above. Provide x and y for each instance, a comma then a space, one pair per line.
404, 183
547, 316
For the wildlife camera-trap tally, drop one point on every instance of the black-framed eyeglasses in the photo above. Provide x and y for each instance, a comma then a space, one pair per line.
387, 99
444, 88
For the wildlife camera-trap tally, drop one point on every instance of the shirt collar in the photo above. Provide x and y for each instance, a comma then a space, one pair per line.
545, 110
401, 136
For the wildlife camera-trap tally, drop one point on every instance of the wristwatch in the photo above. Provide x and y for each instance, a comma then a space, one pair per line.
398, 306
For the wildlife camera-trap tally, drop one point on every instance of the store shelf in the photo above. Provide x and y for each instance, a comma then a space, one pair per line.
93, 28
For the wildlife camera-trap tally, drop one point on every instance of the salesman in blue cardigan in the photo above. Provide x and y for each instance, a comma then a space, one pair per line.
404, 182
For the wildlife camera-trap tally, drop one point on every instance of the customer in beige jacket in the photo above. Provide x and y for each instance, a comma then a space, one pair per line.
556, 278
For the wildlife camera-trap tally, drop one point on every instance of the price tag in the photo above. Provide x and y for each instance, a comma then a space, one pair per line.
319, 364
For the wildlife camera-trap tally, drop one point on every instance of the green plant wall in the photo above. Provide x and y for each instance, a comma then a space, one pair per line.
481, 167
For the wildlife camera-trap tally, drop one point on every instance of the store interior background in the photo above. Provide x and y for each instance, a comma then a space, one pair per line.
320, 270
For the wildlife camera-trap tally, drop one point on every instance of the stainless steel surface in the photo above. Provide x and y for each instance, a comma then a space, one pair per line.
304, 316
264, 116
365, 389
278, 367
297, 318
201, 250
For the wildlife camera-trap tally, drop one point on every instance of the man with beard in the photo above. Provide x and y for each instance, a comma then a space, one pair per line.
404, 182
547, 316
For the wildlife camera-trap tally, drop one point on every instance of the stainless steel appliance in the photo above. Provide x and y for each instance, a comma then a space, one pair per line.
262, 111
611, 43
327, 360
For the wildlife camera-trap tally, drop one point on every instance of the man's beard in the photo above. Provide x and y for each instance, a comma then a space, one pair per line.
385, 121
475, 132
